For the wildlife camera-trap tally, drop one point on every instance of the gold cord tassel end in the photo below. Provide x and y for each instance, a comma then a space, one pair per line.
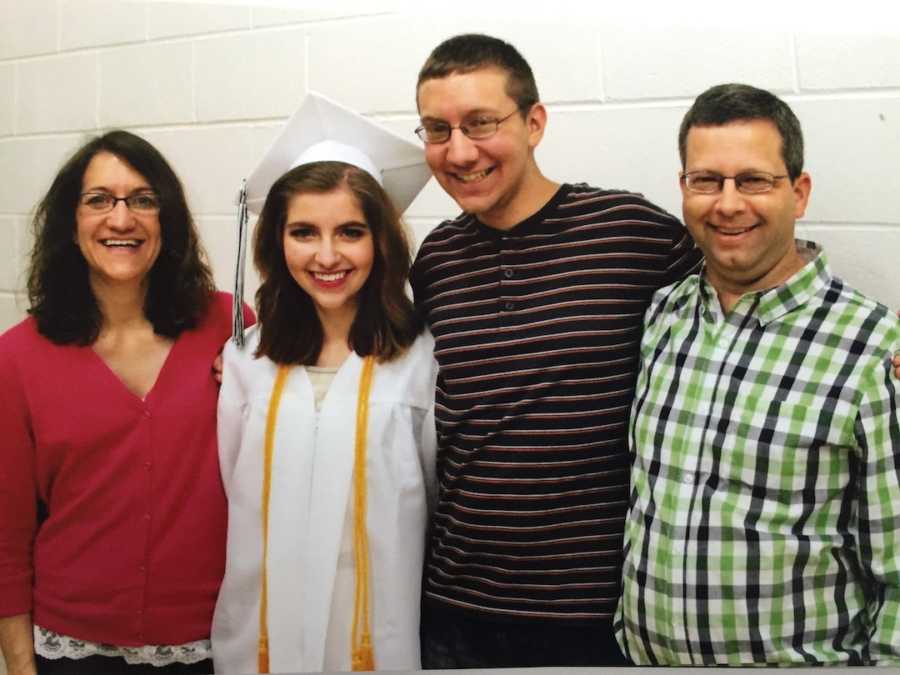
262, 656
364, 657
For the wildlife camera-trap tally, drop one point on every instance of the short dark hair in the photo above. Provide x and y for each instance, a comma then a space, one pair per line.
471, 51
732, 102
290, 329
180, 284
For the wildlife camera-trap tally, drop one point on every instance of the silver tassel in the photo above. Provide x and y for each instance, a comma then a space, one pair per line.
237, 309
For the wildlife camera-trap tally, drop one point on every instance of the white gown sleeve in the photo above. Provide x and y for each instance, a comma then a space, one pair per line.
428, 454
231, 412
428, 433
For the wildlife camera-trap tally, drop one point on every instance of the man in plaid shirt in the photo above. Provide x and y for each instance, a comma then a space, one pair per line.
764, 525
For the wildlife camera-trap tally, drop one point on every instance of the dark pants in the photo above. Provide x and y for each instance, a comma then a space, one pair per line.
455, 640
116, 665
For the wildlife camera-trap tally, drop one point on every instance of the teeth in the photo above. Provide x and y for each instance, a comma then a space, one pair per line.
329, 277
120, 242
732, 233
472, 177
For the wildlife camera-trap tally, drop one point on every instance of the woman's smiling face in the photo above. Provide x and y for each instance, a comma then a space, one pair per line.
328, 248
119, 245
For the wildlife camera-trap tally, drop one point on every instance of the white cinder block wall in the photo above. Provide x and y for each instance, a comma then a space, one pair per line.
210, 85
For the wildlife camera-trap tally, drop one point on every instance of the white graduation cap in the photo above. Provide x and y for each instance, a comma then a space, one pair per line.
322, 130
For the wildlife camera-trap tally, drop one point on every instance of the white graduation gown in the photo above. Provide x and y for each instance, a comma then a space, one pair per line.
312, 470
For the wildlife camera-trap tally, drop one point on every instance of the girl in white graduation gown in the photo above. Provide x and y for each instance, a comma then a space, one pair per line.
326, 536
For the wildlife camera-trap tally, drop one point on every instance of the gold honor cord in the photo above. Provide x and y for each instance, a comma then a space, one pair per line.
268, 449
362, 655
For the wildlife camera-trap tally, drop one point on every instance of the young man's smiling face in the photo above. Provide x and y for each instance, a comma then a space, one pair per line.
748, 239
490, 177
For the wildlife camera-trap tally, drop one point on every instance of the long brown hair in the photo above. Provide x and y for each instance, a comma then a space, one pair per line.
290, 329
59, 292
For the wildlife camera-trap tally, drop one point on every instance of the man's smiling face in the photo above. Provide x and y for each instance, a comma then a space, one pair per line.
748, 239
486, 177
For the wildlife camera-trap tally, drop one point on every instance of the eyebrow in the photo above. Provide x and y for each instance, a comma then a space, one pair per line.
737, 173
103, 188
349, 223
471, 113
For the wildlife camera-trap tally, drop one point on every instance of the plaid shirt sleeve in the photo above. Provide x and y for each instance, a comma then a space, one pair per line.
878, 433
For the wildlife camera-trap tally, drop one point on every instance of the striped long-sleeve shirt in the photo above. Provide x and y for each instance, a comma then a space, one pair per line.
537, 332
765, 517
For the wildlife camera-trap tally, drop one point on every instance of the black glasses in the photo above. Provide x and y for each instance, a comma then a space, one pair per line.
103, 202
476, 128
748, 182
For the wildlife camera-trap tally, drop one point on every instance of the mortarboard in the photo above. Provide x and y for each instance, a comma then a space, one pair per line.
322, 130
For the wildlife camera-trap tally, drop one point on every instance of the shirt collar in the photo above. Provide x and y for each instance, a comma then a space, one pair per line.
771, 303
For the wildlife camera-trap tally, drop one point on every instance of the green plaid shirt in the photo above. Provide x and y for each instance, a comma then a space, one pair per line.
764, 525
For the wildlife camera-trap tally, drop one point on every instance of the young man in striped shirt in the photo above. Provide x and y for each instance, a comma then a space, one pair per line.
535, 296
764, 525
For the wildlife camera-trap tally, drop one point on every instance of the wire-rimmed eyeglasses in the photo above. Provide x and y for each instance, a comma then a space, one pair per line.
747, 182
103, 202
476, 128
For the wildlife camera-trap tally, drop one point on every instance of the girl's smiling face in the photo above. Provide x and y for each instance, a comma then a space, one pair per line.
328, 248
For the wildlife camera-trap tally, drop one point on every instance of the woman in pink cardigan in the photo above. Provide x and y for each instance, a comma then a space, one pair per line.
112, 512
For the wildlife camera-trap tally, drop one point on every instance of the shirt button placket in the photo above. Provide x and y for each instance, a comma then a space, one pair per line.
147, 465
506, 273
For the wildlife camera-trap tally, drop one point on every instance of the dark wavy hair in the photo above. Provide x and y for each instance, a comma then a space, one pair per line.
726, 103
290, 329
180, 284
471, 51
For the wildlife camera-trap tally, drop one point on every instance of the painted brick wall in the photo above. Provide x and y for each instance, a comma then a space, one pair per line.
210, 85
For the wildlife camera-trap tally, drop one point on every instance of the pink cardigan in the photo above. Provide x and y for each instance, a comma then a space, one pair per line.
133, 549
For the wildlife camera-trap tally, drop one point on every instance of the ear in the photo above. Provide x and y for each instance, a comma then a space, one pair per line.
536, 122
801, 187
684, 192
